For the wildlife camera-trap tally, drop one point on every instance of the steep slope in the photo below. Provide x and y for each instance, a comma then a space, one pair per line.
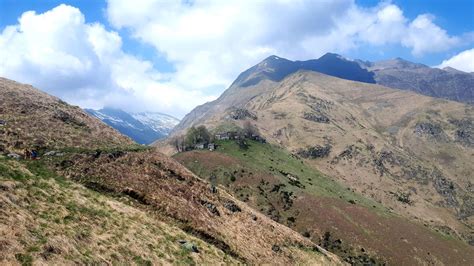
144, 127
447, 83
47, 219
33, 119
169, 196
274, 69
289, 191
161, 123
397, 73
409, 152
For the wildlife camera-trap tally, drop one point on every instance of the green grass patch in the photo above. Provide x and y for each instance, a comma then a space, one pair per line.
24, 259
126, 148
141, 261
273, 160
8, 170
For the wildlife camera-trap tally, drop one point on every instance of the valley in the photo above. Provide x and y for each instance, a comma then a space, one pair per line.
88, 186
210, 132
329, 171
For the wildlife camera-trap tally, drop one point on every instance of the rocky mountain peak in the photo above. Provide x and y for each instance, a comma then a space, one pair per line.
396, 63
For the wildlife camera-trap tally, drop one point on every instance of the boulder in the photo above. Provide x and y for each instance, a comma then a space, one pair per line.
189, 246
231, 206
14, 156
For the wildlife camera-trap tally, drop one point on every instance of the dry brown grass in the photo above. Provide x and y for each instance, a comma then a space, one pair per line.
37, 120
165, 185
49, 222
376, 120
364, 229
142, 202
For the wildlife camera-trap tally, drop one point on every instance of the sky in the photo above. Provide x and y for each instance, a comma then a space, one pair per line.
170, 56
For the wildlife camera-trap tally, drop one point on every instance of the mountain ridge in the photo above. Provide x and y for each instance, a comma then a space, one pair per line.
394, 146
389, 73
143, 127
88, 192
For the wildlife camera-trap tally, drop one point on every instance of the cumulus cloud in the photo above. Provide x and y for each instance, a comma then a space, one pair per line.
424, 36
463, 61
210, 42
85, 65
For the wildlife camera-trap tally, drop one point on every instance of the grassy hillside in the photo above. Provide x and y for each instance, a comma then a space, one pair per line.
35, 120
48, 219
408, 152
286, 189
93, 197
289, 170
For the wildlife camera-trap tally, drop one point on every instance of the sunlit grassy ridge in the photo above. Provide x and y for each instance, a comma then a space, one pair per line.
54, 219
270, 159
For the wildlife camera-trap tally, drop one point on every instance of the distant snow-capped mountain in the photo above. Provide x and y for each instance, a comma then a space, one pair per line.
144, 127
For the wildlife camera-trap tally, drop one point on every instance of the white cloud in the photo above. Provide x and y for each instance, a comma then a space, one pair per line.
211, 42
463, 61
384, 25
424, 36
208, 42
85, 65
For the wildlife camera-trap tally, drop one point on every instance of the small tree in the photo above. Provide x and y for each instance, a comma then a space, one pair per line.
191, 137
197, 135
178, 143
249, 129
203, 134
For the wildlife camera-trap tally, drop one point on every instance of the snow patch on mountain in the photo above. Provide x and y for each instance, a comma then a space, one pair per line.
144, 127
158, 121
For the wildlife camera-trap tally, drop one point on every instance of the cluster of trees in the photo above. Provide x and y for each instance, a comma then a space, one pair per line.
201, 135
195, 135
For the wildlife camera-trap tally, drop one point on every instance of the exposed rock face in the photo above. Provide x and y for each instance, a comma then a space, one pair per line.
319, 118
467, 208
430, 130
382, 139
315, 151
241, 114
231, 206
446, 189
99, 158
465, 131
348, 153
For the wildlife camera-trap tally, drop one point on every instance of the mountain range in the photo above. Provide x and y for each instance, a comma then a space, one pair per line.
339, 168
143, 127
447, 83
408, 152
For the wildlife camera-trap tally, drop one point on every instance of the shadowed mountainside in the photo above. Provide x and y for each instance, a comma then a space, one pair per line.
447, 83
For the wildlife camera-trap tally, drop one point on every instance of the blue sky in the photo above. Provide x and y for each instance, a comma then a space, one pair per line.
170, 56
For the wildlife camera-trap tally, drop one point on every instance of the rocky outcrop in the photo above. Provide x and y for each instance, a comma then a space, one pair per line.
430, 130
348, 153
315, 151
319, 118
446, 189
241, 114
464, 133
